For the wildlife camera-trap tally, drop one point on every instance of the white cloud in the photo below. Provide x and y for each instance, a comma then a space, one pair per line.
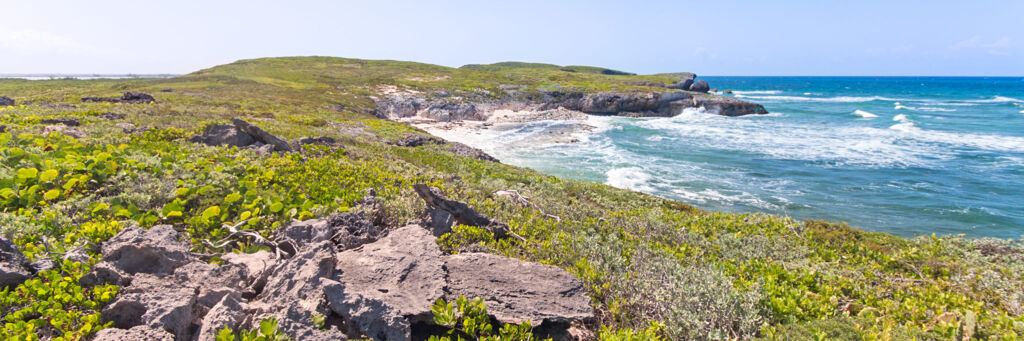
37, 42
997, 47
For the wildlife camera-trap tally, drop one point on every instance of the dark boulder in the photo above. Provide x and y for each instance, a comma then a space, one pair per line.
223, 134
136, 97
417, 140
127, 97
6, 101
728, 91
685, 81
111, 116
261, 135
14, 267
700, 86
318, 140
470, 152
71, 122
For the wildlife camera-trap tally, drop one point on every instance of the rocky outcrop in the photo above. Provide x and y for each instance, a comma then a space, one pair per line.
14, 268
517, 291
127, 97
685, 80
244, 134
700, 86
6, 101
261, 135
413, 140
417, 140
111, 116
344, 269
223, 135
71, 122
63, 130
470, 152
643, 104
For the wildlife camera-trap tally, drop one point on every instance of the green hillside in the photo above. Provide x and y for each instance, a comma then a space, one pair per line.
648, 263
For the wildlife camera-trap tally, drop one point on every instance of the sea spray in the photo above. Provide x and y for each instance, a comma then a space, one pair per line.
864, 114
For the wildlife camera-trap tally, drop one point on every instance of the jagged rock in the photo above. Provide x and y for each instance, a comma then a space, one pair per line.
155, 303
256, 265
470, 152
386, 286
516, 291
127, 97
136, 97
294, 292
728, 91
345, 230
261, 135
155, 251
223, 134
460, 211
64, 130
417, 140
135, 333
700, 86
685, 81
319, 140
714, 90
6, 101
228, 312
13, 265
439, 221
71, 122
111, 116
263, 149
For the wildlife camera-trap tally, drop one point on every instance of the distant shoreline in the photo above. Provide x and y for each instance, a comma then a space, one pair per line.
83, 76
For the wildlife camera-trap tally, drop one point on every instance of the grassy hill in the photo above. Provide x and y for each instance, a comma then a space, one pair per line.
648, 263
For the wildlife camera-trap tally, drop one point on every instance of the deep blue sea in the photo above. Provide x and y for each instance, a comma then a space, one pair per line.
905, 155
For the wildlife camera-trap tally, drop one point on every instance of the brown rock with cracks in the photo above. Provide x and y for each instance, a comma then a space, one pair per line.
387, 285
135, 333
516, 291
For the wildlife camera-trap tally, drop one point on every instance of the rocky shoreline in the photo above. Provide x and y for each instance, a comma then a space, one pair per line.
441, 106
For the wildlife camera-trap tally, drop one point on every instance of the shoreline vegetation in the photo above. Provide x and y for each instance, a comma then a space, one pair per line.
266, 197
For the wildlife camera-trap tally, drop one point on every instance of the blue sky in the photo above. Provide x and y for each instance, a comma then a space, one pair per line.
706, 37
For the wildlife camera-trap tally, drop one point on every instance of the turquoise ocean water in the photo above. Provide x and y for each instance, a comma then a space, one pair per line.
905, 155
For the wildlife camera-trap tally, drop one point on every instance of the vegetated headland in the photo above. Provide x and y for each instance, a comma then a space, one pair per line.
293, 198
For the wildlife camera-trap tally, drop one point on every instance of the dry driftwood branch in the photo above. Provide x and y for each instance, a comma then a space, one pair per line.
236, 235
523, 201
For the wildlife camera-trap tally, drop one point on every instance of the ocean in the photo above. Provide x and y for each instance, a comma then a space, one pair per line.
905, 155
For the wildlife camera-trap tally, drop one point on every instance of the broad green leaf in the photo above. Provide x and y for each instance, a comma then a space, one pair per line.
51, 194
211, 212
27, 173
233, 197
48, 175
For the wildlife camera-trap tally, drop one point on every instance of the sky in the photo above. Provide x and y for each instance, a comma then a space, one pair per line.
841, 38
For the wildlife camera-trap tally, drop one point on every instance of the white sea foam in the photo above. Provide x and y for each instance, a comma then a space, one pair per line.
731, 198
633, 178
756, 92
864, 114
903, 144
838, 99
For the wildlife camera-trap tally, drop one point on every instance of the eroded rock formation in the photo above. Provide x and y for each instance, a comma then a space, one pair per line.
360, 279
